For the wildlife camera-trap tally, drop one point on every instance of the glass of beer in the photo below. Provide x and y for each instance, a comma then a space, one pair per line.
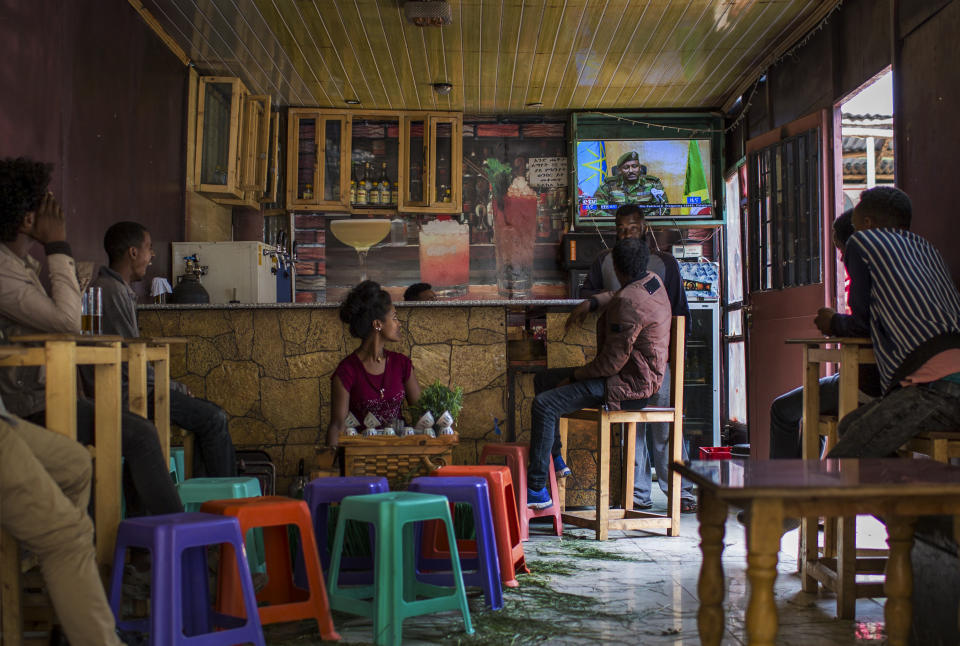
91, 314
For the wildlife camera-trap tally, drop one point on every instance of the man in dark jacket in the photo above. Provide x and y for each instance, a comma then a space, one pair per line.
633, 340
653, 440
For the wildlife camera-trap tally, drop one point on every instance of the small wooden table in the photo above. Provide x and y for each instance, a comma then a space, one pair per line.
897, 489
837, 567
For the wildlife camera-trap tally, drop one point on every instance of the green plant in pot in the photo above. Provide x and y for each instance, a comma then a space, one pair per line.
437, 399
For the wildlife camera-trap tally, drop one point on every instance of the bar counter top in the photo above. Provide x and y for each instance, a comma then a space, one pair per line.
558, 302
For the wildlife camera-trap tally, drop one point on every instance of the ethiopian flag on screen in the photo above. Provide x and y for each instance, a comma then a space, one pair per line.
695, 184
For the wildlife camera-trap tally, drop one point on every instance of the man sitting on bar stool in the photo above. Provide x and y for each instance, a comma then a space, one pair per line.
130, 250
633, 341
653, 438
45, 487
30, 214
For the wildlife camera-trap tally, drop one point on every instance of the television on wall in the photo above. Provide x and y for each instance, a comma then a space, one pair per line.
667, 178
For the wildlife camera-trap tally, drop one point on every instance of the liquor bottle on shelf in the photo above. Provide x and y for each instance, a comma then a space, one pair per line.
361, 187
308, 191
353, 184
395, 193
368, 184
447, 195
384, 185
442, 193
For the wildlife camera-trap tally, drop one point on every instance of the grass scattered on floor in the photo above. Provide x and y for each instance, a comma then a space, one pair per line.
587, 549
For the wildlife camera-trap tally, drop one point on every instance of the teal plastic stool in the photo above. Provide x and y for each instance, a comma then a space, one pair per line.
176, 457
196, 491
395, 594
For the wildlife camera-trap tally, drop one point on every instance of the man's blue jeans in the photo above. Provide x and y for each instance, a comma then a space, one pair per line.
549, 405
878, 429
786, 413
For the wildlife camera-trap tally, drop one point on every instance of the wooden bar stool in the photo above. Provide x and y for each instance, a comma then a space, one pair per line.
939, 445
139, 353
603, 518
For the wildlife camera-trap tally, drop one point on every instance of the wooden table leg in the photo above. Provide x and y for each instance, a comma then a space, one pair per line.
809, 552
107, 476
712, 514
630, 457
898, 586
603, 476
846, 567
766, 528
161, 403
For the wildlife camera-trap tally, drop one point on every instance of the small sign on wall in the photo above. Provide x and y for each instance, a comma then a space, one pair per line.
547, 172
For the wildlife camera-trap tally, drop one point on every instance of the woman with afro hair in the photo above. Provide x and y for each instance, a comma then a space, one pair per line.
372, 379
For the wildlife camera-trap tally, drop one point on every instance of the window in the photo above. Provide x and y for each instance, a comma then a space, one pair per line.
784, 213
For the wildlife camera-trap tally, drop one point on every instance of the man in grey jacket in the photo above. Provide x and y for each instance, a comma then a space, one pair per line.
129, 248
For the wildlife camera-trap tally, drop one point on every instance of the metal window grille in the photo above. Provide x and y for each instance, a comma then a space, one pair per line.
785, 213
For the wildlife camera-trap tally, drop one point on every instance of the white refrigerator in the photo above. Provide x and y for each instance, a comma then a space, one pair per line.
245, 272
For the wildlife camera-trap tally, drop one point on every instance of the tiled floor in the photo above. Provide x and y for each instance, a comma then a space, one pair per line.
650, 597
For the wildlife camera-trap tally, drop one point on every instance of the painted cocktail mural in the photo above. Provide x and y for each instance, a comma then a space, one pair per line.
514, 229
361, 235
445, 257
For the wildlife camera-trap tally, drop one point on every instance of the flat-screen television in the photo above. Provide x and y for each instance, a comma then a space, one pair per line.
667, 178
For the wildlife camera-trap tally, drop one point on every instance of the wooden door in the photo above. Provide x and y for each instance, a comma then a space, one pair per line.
790, 187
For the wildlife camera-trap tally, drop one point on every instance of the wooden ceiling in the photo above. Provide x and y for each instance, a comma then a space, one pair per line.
500, 55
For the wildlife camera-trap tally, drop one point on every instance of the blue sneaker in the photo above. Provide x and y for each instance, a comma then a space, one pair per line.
563, 471
539, 498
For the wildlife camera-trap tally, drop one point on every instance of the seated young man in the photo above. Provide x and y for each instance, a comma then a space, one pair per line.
901, 294
653, 439
633, 340
45, 487
29, 214
786, 412
129, 248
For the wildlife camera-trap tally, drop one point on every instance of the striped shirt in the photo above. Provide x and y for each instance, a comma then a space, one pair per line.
902, 294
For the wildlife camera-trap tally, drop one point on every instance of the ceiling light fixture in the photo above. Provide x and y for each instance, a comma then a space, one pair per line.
535, 104
428, 13
443, 88
352, 101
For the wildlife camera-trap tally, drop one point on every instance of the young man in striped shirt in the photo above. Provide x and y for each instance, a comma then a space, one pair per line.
901, 294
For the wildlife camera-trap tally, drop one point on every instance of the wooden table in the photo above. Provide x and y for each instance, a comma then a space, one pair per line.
61, 354
837, 567
897, 489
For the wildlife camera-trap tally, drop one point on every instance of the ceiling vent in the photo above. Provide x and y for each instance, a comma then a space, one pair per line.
428, 13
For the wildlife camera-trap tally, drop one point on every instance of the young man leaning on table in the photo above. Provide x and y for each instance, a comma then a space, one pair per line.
129, 249
902, 296
29, 214
45, 482
633, 341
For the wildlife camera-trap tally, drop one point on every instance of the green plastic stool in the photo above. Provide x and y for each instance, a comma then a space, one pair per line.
176, 456
196, 491
393, 595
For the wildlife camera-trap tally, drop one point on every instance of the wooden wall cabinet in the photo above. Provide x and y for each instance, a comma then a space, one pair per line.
422, 152
233, 142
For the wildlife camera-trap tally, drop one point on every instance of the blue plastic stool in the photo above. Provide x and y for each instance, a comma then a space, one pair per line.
396, 594
196, 491
180, 608
319, 494
483, 571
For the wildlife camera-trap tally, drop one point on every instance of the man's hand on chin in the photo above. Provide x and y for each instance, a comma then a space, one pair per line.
824, 317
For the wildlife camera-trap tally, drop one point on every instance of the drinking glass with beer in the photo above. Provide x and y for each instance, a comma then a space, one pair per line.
91, 315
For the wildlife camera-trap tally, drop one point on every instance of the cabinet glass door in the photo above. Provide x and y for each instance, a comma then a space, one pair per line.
446, 163
255, 138
416, 189
218, 119
305, 156
375, 161
332, 143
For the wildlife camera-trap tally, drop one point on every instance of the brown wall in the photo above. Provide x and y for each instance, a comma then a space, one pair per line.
87, 86
926, 103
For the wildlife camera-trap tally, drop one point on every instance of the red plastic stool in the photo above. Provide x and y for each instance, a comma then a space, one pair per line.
506, 524
517, 457
286, 602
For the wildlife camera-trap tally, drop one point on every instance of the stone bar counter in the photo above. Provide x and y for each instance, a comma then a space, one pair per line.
269, 366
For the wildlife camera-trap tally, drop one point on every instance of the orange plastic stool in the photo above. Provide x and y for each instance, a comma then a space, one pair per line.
517, 456
286, 602
506, 524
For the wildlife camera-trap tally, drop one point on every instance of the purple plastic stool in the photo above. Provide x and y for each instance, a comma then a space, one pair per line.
180, 608
319, 494
483, 571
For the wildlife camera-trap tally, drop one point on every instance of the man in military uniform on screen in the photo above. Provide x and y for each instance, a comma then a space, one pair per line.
632, 185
